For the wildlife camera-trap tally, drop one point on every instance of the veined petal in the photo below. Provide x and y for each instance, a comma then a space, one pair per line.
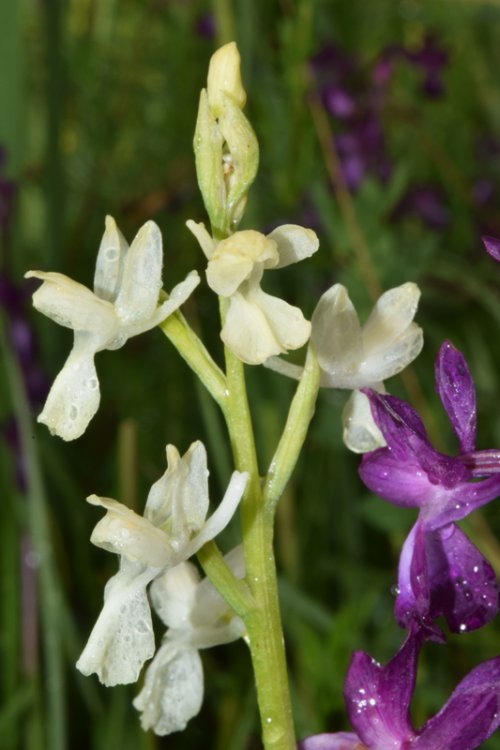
383, 363
457, 392
122, 638
222, 514
247, 332
294, 243
72, 305
470, 716
390, 318
140, 286
336, 741
336, 333
401, 482
463, 584
178, 502
110, 261
288, 324
126, 533
361, 434
378, 698
74, 397
173, 689
234, 258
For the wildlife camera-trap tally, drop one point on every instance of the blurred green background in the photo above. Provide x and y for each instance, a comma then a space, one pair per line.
379, 126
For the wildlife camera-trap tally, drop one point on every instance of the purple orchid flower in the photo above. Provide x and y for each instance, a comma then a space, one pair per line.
492, 245
441, 573
378, 701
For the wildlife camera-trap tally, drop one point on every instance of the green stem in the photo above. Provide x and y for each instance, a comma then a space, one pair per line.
299, 417
263, 622
193, 351
236, 592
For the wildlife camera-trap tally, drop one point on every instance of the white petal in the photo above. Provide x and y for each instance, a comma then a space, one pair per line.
336, 333
140, 285
177, 297
205, 241
126, 533
178, 501
110, 261
173, 689
391, 316
287, 322
294, 243
384, 363
72, 305
235, 257
223, 513
122, 638
74, 397
247, 332
173, 595
361, 433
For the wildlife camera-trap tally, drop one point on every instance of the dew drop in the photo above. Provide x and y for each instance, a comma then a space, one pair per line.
92, 384
462, 627
395, 590
73, 412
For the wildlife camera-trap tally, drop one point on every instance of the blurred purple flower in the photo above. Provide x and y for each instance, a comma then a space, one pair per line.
378, 702
432, 59
492, 245
427, 202
205, 26
440, 571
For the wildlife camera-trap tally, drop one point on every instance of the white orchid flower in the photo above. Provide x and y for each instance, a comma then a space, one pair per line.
124, 303
174, 527
197, 618
354, 357
257, 325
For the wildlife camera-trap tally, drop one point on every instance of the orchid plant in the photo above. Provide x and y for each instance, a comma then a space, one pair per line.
441, 573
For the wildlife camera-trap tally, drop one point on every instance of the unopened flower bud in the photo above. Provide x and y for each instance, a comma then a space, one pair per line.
225, 146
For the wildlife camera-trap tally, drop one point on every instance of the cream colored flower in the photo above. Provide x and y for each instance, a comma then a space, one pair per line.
354, 357
124, 303
197, 618
257, 325
174, 527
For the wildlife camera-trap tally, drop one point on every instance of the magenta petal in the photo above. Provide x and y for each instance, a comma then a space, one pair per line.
463, 584
470, 716
407, 441
492, 245
401, 482
337, 741
413, 600
378, 698
457, 392
441, 573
